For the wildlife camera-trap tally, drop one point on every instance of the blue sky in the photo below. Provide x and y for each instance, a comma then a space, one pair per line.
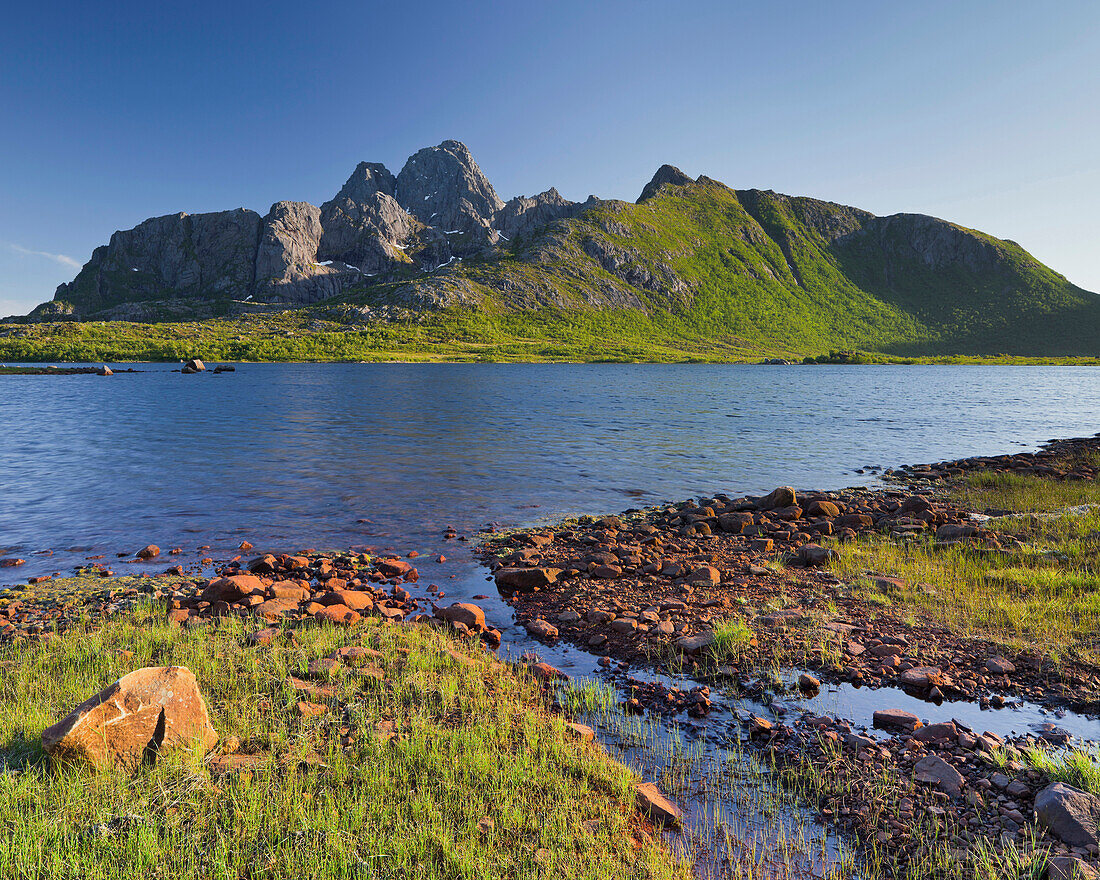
983, 113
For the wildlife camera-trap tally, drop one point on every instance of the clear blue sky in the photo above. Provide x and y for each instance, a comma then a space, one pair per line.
983, 113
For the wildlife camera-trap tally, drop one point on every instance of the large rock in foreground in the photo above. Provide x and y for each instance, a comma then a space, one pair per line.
142, 714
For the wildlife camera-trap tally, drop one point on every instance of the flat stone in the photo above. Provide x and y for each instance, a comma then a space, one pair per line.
524, 580
897, 719
696, 643
540, 629
655, 805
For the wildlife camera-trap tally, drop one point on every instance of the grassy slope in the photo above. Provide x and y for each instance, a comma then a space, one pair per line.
1045, 597
719, 276
473, 742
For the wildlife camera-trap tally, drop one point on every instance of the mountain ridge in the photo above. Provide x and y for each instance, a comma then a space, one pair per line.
692, 255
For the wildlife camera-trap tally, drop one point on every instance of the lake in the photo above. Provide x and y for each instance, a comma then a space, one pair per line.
290, 456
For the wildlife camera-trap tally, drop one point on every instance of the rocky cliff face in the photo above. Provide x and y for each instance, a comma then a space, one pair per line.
443, 187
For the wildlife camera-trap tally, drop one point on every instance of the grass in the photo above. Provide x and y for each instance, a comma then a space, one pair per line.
1043, 595
473, 742
1077, 767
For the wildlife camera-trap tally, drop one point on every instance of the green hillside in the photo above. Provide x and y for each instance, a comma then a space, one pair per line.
694, 271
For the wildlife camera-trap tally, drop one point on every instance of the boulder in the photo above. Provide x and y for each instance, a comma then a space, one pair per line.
525, 580
465, 613
194, 366
1000, 666
1069, 814
1070, 868
540, 629
779, 498
230, 589
143, 714
149, 551
340, 615
921, 677
696, 643
822, 508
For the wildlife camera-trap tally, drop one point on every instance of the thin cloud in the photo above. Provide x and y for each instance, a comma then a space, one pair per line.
57, 258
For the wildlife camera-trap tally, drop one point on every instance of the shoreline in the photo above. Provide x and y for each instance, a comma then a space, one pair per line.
717, 597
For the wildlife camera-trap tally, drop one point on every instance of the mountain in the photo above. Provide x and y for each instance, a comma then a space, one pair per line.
692, 259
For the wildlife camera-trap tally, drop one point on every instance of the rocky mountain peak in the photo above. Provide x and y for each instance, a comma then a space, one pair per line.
444, 187
665, 174
367, 179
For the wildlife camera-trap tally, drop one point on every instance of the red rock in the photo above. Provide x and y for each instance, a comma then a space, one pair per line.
230, 589
12, 562
275, 609
541, 629
524, 580
655, 805
822, 508
149, 551
289, 590
355, 600
784, 496
245, 546
145, 712
339, 615
393, 567
463, 612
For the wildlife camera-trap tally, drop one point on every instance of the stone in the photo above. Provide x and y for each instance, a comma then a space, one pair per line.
540, 629
822, 508
696, 643
1070, 868
230, 589
655, 805
782, 497
289, 590
149, 551
340, 615
275, 609
580, 731
705, 576
896, 719
144, 713
815, 556
194, 366
808, 684
934, 770
105, 371
525, 580
463, 612
356, 600
941, 731
1069, 814
310, 710
624, 625
999, 666
921, 677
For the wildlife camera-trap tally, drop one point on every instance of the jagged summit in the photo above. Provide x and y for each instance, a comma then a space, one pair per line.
665, 174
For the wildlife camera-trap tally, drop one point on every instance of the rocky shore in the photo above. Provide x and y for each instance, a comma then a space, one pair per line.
727, 590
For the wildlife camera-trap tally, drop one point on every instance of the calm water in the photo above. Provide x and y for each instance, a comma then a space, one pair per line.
294, 456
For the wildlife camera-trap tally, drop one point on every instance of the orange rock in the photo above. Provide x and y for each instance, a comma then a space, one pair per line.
340, 615
143, 713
